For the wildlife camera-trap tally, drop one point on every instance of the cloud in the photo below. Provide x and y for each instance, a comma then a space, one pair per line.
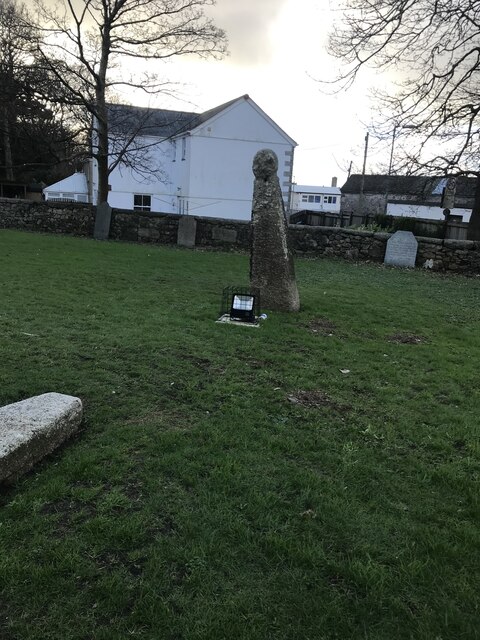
247, 24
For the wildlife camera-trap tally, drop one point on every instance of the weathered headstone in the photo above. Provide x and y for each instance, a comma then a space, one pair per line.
32, 428
271, 263
401, 249
187, 230
103, 218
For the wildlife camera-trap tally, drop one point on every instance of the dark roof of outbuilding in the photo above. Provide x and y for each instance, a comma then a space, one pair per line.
163, 123
423, 186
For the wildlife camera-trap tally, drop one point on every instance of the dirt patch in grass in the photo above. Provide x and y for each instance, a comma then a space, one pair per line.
68, 514
133, 490
406, 338
165, 526
110, 562
174, 420
322, 326
204, 365
315, 399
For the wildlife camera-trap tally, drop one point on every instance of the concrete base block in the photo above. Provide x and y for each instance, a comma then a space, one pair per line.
33, 428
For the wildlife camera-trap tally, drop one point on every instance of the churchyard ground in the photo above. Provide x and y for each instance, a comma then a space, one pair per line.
315, 478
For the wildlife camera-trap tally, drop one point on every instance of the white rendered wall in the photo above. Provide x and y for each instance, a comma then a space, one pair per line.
221, 176
222, 152
421, 211
214, 176
125, 182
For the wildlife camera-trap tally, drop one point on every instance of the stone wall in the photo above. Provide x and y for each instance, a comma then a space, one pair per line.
461, 256
127, 226
48, 217
131, 226
336, 242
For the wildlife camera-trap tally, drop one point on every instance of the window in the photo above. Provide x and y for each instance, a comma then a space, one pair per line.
311, 199
304, 198
318, 199
330, 199
142, 202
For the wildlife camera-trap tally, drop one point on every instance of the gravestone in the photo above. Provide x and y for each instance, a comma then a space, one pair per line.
401, 249
187, 230
271, 262
103, 218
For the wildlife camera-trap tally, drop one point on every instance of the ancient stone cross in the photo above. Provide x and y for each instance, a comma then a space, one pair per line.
271, 263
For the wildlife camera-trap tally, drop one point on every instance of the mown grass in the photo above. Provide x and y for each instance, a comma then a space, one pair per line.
232, 482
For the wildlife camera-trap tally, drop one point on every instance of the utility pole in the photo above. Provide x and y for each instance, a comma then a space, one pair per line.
362, 180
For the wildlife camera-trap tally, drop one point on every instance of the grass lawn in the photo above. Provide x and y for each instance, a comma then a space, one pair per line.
234, 483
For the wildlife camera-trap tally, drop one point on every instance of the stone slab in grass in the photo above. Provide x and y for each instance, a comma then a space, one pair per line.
33, 428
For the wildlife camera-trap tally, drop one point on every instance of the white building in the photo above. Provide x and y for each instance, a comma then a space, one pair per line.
426, 212
315, 199
189, 163
71, 189
408, 196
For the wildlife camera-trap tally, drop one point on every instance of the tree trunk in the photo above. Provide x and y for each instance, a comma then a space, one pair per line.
7, 148
473, 232
102, 117
102, 160
102, 149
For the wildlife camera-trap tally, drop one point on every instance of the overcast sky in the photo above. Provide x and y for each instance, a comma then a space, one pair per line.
277, 51
277, 55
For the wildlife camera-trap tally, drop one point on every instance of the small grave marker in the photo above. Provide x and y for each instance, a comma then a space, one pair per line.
102, 221
187, 231
401, 250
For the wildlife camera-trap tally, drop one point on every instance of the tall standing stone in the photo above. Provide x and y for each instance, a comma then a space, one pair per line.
271, 263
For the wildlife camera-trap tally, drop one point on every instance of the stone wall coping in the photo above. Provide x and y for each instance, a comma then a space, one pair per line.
427, 240
336, 230
143, 214
461, 244
358, 232
176, 216
51, 204
220, 220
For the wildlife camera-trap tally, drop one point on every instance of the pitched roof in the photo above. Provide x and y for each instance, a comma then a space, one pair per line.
164, 123
305, 188
423, 186
76, 183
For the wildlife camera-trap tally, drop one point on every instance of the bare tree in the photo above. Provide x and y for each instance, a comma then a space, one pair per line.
34, 137
15, 48
433, 47
87, 44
